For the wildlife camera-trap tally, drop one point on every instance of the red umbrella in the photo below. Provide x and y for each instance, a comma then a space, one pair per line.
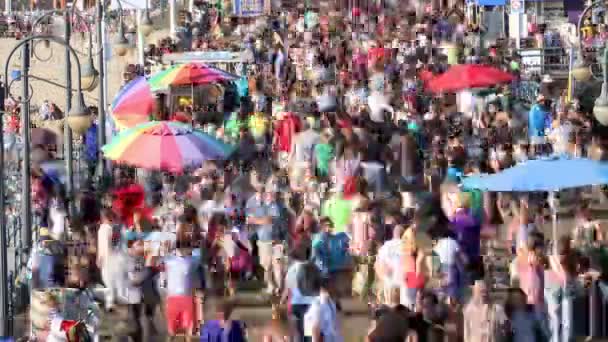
466, 76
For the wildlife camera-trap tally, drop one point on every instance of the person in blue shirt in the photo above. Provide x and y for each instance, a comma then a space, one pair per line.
261, 214
539, 119
184, 287
91, 149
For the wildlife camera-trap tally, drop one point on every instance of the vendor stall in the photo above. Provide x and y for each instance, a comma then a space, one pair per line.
225, 60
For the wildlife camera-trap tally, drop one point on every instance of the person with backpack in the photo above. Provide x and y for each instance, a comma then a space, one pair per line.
331, 254
222, 328
302, 284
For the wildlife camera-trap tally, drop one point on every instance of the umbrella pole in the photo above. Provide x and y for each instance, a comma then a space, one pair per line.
553, 204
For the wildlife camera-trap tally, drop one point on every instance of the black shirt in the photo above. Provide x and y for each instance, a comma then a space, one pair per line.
427, 330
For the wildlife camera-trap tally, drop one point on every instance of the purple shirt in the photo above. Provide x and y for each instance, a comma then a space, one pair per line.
468, 232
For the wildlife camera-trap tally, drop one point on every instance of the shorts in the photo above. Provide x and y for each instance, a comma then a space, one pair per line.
298, 172
537, 140
408, 297
265, 250
180, 314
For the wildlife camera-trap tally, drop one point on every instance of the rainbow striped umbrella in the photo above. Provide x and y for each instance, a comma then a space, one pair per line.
165, 145
189, 74
134, 104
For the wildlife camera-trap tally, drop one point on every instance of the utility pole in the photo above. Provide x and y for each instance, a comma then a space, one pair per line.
68, 144
5, 320
26, 193
101, 105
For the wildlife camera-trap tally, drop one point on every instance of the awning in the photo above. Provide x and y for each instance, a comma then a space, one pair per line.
490, 2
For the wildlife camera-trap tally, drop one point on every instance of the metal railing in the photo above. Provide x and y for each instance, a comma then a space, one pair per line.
526, 91
551, 60
13, 227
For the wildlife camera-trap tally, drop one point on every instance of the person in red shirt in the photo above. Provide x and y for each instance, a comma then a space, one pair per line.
284, 131
14, 122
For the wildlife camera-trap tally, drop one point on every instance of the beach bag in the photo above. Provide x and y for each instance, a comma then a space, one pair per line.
308, 279
212, 331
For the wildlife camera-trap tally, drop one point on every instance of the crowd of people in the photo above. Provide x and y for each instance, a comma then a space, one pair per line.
344, 182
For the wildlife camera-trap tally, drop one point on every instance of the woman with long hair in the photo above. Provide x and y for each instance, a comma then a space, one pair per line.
413, 267
560, 290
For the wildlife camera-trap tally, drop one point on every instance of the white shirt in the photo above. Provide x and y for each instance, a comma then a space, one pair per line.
58, 218
378, 103
104, 244
120, 287
55, 333
561, 137
447, 249
391, 255
304, 145
291, 282
210, 207
323, 313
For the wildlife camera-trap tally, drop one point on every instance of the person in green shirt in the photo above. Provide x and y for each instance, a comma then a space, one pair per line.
324, 153
339, 211
233, 126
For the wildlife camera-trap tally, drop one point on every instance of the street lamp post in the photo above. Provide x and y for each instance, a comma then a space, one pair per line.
91, 78
121, 43
101, 107
600, 110
68, 145
581, 71
5, 321
26, 205
76, 119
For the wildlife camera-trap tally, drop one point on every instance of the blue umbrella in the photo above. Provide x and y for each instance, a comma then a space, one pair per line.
546, 174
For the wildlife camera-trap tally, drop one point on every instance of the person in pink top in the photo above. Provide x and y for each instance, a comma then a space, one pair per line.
529, 267
360, 228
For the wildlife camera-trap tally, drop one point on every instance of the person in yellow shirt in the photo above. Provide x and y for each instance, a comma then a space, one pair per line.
258, 124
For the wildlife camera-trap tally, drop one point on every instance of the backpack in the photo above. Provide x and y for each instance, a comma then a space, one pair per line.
308, 279
334, 252
212, 331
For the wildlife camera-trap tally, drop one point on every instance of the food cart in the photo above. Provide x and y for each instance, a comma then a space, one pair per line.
206, 94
